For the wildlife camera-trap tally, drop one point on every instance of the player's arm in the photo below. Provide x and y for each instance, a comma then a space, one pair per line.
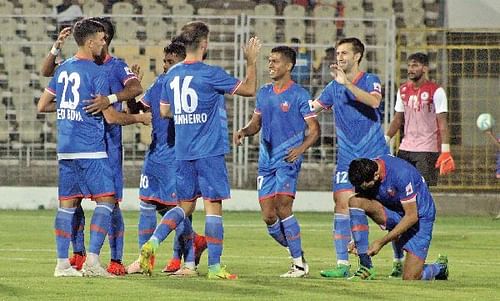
409, 219
394, 126
49, 63
248, 86
310, 139
445, 162
46, 104
252, 128
317, 106
113, 116
132, 89
370, 99
165, 111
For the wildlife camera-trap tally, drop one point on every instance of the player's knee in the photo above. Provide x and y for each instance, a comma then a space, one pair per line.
412, 275
269, 219
356, 202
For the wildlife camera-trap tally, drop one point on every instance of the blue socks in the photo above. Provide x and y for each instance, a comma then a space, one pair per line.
430, 271
214, 232
341, 235
115, 234
78, 226
292, 234
398, 251
147, 222
359, 227
169, 222
187, 239
99, 226
178, 246
63, 227
277, 232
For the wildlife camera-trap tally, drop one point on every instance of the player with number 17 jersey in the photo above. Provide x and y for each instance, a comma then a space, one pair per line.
358, 126
80, 135
198, 109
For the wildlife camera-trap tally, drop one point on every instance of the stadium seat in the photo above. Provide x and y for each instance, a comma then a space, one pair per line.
265, 9
325, 33
265, 29
383, 8
128, 135
4, 125
126, 52
324, 11
176, 2
152, 8
326, 2
35, 8
185, 11
148, 78
355, 29
353, 11
9, 27
6, 8
415, 17
29, 130
294, 10
93, 8
35, 29
295, 28
156, 30
125, 29
122, 8
145, 134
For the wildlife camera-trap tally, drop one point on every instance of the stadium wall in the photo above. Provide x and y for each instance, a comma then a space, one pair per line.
30, 198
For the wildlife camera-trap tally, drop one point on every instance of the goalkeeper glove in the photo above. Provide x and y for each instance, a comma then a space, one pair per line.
445, 161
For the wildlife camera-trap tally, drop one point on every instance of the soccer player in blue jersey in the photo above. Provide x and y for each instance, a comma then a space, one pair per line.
283, 112
193, 95
354, 96
124, 86
394, 195
157, 186
84, 168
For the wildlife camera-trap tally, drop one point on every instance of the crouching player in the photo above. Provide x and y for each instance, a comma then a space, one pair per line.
157, 187
395, 196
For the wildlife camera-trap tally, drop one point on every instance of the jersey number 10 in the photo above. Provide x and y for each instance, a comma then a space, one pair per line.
181, 94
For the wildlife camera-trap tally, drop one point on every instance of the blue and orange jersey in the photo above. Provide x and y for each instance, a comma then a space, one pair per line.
79, 135
358, 126
195, 92
401, 182
118, 75
283, 114
163, 133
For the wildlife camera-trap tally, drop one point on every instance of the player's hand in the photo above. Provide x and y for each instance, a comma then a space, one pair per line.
238, 137
338, 74
137, 71
351, 248
445, 163
61, 38
294, 154
99, 103
251, 50
146, 118
374, 248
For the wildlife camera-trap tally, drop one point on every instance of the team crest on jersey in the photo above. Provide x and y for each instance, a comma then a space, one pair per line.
173, 195
285, 106
391, 192
409, 189
424, 96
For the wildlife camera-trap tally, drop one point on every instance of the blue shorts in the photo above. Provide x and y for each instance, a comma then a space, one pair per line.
158, 182
340, 178
415, 240
116, 162
85, 178
280, 180
205, 177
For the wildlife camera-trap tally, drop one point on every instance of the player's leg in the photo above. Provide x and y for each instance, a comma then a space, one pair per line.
70, 196
185, 236
116, 231
270, 217
425, 162
342, 190
214, 186
98, 184
78, 238
359, 209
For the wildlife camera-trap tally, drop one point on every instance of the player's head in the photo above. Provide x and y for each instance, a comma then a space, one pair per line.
281, 62
364, 174
173, 53
349, 53
418, 65
194, 36
90, 34
109, 28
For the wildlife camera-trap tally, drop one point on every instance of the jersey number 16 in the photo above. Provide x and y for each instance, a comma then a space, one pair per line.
181, 94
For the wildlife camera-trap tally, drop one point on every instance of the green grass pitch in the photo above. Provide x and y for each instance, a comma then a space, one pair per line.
27, 261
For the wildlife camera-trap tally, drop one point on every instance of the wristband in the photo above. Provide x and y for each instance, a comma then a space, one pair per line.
387, 139
445, 148
54, 51
112, 99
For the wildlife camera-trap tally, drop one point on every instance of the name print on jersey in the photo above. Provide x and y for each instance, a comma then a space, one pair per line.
67, 108
186, 102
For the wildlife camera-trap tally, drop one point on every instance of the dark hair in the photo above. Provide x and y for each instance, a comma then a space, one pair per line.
357, 46
287, 52
85, 28
109, 28
193, 33
177, 48
420, 57
362, 170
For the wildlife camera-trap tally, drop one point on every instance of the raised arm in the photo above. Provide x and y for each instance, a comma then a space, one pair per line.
249, 85
49, 63
370, 99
